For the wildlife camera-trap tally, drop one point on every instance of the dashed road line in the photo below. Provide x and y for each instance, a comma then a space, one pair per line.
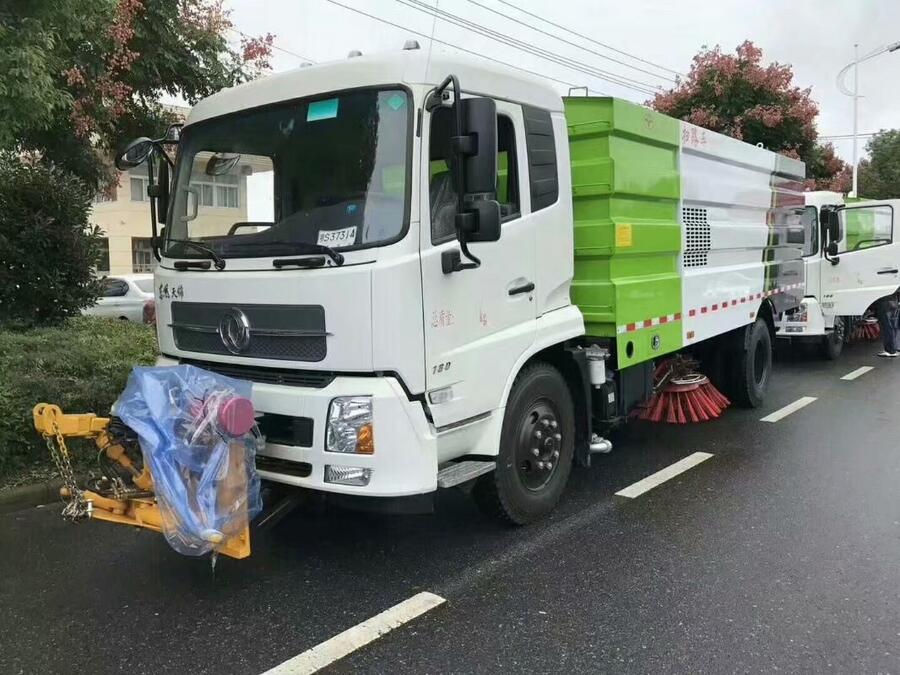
801, 402
852, 375
360, 635
661, 476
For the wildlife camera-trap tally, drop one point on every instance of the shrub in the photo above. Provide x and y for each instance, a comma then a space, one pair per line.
81, 365
47, 249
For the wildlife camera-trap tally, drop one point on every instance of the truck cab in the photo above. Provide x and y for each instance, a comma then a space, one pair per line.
380, 342
849, 266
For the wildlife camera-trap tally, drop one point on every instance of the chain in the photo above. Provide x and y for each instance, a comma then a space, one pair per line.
77, 507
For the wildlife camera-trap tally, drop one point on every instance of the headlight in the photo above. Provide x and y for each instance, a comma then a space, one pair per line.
350, 425
800, 314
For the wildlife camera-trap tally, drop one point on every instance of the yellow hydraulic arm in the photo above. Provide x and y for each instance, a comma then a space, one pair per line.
128, 506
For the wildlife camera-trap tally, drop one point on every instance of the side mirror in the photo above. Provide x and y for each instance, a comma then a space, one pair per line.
134, 154
480, 221
477, 149
832, 221
832, 249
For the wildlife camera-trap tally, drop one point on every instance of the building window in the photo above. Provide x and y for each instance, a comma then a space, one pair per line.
139, 189
103, 263
218, 195
142, 259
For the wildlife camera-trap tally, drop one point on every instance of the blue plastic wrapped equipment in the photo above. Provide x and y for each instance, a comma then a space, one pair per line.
198, 436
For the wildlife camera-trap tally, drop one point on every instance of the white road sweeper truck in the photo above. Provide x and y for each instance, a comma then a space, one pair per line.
852, 259
438, 272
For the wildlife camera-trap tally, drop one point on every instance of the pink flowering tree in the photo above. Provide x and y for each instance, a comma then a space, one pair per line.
737, 95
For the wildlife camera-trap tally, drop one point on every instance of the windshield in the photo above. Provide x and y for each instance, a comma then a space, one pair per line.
266, 182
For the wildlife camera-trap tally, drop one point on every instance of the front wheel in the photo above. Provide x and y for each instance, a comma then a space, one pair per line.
752, 365
833, 342
536, 447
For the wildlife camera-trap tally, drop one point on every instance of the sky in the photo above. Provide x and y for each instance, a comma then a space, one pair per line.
815, 37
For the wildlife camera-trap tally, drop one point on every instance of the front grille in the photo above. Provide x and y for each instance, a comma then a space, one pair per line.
284, 466
286, 376
285, 332
286, 430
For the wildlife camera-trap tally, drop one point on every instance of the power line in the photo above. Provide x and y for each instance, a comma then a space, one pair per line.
589, 39
274, 46
569, 42
462, 49
572, 64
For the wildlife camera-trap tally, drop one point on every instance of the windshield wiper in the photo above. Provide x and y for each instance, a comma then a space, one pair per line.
296, 246
218, 260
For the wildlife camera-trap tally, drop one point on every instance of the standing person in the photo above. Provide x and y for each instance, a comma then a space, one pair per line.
886, 310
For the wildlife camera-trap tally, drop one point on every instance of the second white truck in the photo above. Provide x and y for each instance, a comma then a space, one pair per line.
852, 259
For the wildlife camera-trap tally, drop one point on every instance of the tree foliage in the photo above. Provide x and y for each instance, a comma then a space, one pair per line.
879, 176
737, 95
47, 249
79, 76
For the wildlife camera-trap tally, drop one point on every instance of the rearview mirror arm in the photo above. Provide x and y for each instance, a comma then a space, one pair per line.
151, 192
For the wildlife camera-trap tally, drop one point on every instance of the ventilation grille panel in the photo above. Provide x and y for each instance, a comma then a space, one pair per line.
697, 237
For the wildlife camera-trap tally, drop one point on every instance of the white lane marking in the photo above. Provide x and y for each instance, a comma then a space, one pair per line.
801, 402
856, 373
661, 476
360, 635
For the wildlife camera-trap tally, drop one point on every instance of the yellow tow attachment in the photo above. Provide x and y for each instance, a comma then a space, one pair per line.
139, 509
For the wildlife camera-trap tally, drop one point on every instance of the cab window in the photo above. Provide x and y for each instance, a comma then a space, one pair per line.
866, 227
441, 191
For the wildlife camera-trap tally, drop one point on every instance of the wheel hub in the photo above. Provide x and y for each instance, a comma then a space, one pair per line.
539, 445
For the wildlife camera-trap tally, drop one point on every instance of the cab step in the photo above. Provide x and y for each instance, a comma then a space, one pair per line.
457, 473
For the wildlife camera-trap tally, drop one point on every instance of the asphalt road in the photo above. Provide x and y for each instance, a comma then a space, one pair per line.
779, 552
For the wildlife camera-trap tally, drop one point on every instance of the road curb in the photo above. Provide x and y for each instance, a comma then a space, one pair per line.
25, 496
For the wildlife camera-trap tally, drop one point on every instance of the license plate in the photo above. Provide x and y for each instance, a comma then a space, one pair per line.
334, 238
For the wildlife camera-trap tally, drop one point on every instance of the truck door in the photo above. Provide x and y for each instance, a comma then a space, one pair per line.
477, 321
868, 261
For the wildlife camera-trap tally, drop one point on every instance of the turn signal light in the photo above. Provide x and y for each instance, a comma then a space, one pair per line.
365, 440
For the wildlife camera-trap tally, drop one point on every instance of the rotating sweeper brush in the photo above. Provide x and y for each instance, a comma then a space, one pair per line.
682, 395
866, 329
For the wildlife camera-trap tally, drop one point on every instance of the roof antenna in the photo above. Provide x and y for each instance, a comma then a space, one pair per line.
354, 53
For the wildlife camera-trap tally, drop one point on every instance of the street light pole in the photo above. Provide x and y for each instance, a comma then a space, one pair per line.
854, 192
893, 47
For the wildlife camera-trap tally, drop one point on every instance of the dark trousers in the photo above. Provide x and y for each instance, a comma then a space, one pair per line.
886, 311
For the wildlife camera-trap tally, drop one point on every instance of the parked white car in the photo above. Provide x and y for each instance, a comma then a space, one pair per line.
124, 297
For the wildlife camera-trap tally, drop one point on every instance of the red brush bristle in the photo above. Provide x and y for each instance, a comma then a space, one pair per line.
684, 401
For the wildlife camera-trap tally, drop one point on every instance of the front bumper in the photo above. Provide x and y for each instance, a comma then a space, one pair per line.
405, 460
816, 324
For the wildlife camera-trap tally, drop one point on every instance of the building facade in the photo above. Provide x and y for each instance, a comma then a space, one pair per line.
123, 216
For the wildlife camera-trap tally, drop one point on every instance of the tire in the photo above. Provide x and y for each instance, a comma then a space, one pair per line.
833, 343
539, 416
752, 365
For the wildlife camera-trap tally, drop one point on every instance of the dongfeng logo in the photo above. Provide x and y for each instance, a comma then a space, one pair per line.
234, 329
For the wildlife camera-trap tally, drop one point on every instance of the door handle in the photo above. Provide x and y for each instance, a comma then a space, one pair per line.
892, 270
524, 288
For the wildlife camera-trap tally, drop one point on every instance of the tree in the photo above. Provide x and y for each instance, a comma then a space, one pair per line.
79, 76
879, 176
47, 248
735, 94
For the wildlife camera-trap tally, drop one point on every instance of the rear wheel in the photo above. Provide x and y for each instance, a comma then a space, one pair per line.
536, 448
833, 342
752, 365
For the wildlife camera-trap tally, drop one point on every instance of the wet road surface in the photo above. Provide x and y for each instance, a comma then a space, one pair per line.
781, 551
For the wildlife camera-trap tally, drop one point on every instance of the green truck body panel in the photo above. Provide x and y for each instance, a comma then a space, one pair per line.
626, 191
